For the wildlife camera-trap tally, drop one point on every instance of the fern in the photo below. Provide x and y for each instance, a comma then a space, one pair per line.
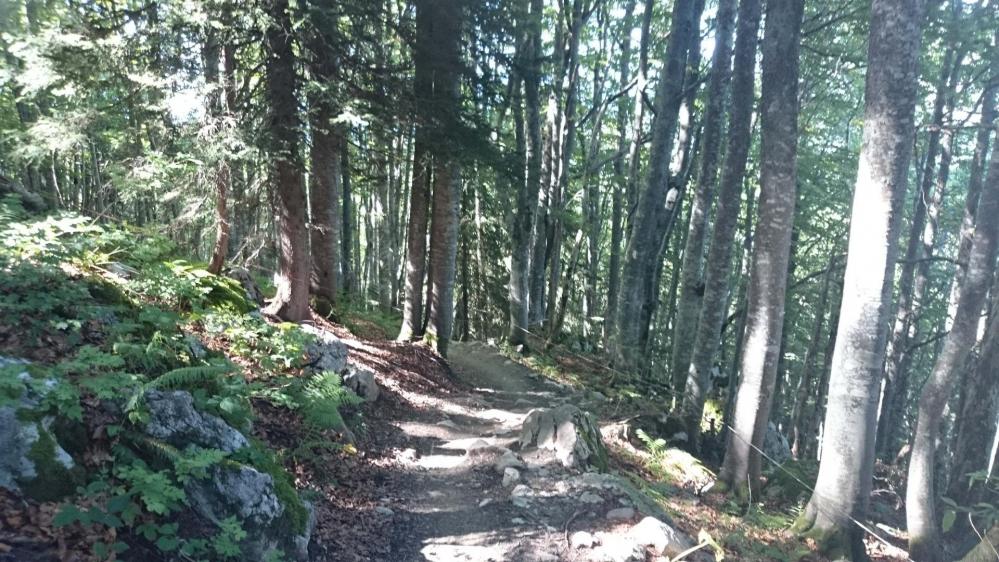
189, 376
322, 398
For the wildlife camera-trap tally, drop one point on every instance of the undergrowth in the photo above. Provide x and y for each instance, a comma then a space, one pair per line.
107, 313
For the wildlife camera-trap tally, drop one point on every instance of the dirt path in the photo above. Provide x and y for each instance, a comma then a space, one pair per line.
450, 503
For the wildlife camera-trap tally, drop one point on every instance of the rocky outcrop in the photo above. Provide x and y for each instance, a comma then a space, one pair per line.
32, 461
273, 519
569, 432
174, 420
361, 381
326, 354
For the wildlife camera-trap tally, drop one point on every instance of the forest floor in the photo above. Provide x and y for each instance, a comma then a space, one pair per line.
423, 485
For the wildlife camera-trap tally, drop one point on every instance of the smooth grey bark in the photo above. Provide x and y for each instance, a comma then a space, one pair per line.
740, 320
772, 251
844, 481
911, 289
646, 235
291, 300
527, 197
717, 268
973, 447
419, 194
691, 288
817, 412
924, 539
805, 380
617, 197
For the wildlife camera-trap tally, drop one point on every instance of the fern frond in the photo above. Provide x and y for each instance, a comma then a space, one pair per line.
189, 376
323, 396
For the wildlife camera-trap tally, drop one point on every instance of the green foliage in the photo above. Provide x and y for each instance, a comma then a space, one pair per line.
187, 377
322, 397
273, 347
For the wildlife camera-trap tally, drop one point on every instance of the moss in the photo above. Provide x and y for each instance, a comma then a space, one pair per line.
296, 514
53, 480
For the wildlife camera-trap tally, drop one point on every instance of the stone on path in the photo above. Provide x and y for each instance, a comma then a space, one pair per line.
510, 477
621, 514
569, 432
663, 538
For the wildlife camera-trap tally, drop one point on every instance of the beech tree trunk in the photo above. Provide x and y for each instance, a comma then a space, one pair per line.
643, 245
805, 381
527, 197
717, 268
771, 253
691, 287
844, 481
291, 301
924, 540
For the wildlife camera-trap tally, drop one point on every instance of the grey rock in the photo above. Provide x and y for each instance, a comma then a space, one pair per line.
590, 497
571, 433
508, 459
582, 539
248, 494
617, 548
361, 381
245, 279
18, 437
621, 514
326, 353
775, 445
448, 424
485, 502
510, 477
195, 347
382, 510
518, 521
173, 419
121, 270
662, 537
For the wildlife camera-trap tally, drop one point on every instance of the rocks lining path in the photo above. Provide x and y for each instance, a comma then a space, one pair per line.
468, 494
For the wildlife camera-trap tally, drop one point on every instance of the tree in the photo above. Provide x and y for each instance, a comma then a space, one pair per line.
447, 174
691, 286
772, 248
718, 264
924, 539
324, 187
845, 473
291, 301
527, 198
419, 202
647, 230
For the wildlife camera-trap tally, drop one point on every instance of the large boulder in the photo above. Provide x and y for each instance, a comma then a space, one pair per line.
32, 462
273, 516
660, 536
569, 432
361, 380
174, 420
270, 521
775, 445
326, 353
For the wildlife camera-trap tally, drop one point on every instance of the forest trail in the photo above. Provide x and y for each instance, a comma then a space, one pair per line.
453, 504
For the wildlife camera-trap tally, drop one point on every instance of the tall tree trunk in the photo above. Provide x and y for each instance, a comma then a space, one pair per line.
691, 284
845, 475
805, 380
717, 269
419, 202
324, 187
447, 174
644, 243
924, 541
817, 412
617, 201
771, 254
291, 301
348, 235
527, 198
218, 108
904, 327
